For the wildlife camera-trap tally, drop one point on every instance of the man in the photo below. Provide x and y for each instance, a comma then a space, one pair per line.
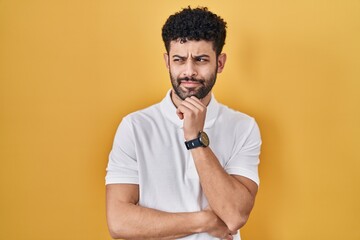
157, 186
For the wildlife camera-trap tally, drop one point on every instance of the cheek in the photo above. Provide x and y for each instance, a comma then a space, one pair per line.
175, 71
205, 72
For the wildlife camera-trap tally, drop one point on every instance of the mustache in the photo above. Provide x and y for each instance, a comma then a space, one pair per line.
191, 79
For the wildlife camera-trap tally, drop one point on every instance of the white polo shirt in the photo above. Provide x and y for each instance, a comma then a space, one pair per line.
149, 150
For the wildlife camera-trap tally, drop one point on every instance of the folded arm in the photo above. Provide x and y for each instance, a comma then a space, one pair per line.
128, 220
231, 197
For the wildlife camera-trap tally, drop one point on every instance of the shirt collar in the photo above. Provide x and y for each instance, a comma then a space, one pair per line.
168, 109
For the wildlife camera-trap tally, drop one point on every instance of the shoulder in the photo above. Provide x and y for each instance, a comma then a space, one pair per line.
234, 117
149, 114
135, 121
236, 123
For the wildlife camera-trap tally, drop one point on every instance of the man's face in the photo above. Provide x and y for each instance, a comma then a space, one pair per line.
193, 67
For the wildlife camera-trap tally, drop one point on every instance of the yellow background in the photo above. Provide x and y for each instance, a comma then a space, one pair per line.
70, 70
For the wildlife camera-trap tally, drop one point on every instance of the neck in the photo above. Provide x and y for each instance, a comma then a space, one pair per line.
176, 100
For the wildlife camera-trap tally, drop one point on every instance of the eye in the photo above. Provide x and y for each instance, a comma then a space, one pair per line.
201, 59
177, 59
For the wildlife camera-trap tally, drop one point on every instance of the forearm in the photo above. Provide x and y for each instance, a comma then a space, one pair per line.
227, 197
129, 221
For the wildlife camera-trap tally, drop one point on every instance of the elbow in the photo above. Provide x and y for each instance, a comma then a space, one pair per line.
115, 233
119, 226
236, 222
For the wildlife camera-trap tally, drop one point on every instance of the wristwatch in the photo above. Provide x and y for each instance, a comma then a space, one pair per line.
201, 141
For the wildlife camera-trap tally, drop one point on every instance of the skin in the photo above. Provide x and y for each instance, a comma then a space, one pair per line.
193, 60
127, 220
230, 197
193, 84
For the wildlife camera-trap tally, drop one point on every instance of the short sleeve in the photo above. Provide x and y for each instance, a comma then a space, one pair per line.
122, 166
245, 158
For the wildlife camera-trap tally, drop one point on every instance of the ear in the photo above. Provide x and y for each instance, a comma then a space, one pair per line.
221, 62
166, 58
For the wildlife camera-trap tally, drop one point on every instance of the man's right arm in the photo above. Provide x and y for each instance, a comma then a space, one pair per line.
128, 220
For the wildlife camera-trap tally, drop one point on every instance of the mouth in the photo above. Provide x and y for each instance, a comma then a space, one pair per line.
190, 83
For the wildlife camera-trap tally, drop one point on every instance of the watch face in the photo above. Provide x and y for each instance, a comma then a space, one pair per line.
204, 139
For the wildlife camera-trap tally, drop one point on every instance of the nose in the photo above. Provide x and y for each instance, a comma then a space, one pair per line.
190, 69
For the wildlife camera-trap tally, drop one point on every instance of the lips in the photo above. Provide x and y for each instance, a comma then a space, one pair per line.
190, 81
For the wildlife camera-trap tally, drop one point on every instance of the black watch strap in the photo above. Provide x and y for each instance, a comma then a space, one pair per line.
193, 143
201, 141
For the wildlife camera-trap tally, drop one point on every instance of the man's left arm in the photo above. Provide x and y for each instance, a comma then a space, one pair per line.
231, 197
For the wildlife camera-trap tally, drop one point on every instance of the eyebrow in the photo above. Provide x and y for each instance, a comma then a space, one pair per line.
178, 56
202, 55
194, 57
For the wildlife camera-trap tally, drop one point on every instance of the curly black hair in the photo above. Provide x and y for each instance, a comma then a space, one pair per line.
195, 24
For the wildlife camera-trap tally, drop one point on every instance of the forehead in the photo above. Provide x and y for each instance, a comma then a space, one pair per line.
191, 47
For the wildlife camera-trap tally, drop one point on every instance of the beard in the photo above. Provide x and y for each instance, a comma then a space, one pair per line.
200, 92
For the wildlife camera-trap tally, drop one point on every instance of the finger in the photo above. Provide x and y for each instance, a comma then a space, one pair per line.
188, 109
193, 105
229, 237
180, 114
184, 108
196, 102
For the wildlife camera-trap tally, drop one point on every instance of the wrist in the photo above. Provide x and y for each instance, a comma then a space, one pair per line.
202, 140
206, 217
190, 137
